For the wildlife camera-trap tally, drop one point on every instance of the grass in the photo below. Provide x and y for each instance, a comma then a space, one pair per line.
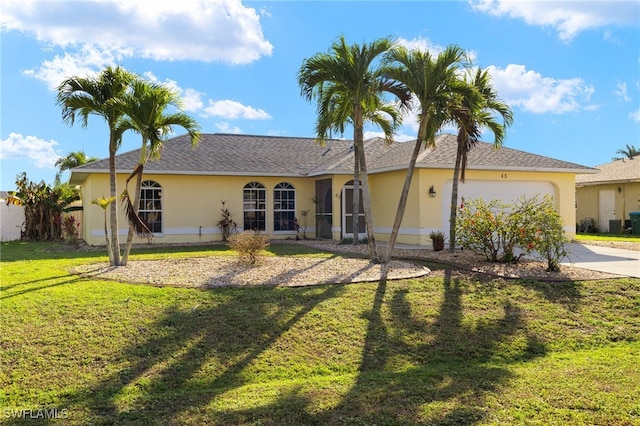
443, 350
582, 238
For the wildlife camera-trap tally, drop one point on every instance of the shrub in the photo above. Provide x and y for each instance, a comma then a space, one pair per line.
71, 230
506, 232
550, 240
226, 224
437, 239
249, 244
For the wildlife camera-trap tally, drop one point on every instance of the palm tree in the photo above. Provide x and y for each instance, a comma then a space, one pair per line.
473, 113
629, 152
434, 84
349, 86
144, 109
73, 159
103, 203
84, 96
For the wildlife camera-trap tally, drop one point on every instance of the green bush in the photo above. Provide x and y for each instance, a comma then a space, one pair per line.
506, 232
249, 244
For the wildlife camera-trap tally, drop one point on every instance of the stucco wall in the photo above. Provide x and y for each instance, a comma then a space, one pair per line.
627, 199
191, 204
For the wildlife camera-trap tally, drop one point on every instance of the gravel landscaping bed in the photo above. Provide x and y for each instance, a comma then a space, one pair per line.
218, 271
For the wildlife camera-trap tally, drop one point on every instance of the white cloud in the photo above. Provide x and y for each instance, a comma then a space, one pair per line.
398, 137
534, 93
221, 30
85, 62
621, 92
635, 115
37, 151
191, 98
227, 128
424, 44
192, 102
567, 17
232, 109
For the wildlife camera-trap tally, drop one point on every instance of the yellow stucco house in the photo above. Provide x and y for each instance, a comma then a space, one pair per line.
608, 197
267, 182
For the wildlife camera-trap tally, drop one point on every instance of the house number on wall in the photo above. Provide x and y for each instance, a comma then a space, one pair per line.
503, 176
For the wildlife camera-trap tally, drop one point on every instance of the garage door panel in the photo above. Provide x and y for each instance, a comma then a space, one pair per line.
490, 190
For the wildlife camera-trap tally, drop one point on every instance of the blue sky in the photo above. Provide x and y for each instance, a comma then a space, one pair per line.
570, 70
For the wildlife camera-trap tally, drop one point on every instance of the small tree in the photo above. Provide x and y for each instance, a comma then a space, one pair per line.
249, 244
103, 203
226, 224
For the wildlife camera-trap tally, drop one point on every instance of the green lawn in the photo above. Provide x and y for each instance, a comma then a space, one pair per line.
585, 238
443, 350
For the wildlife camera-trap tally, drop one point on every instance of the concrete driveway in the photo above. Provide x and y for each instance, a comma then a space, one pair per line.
604, 259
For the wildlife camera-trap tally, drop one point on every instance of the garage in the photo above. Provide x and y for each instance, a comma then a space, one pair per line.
488, 190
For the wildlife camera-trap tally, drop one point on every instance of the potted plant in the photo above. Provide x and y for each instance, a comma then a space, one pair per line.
437, 239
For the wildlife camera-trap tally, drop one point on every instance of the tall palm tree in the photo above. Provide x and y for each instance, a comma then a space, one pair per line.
349, 83
629, 152
434, 84
475, 112
85, 96
145, 112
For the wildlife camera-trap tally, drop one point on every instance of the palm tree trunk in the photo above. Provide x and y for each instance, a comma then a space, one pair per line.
368, 214
355, 217
453, 214
358, 143
106, 237
136, 208
115, 241
402, 204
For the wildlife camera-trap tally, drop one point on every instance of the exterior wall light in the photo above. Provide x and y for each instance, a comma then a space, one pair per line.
432, 191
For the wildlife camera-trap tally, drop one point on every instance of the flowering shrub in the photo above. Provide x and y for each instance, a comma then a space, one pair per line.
71, 230
506, 232
550, 239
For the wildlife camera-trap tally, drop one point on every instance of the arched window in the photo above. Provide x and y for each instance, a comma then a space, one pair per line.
284, 207
254, 206
150, 207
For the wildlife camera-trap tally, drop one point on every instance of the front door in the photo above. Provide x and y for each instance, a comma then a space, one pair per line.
347, 212
606, 209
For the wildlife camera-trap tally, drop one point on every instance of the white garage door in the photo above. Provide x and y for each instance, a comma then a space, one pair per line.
490, 190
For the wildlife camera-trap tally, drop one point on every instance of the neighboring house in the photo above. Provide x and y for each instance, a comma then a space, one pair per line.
11, 219
609, 195
267, 182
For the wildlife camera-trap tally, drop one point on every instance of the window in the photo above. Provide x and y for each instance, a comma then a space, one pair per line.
284, 207
150, 207
254, 206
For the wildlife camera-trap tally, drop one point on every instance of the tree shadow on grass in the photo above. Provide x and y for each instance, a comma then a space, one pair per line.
566, 293
6, 294
192, 355
442, 379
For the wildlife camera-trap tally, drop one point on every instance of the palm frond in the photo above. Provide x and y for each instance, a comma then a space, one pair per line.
140, 227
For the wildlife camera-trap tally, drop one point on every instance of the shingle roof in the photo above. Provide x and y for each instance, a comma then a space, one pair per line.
626, 170
228, 154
